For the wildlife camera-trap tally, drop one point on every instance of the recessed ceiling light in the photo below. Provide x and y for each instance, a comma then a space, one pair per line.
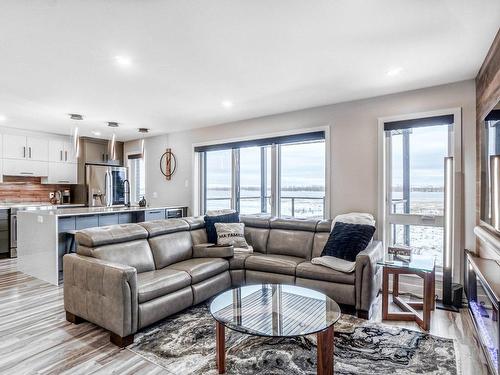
113, 124
3, 118
95, 132
143, 130
394, 71
125, 61
227, 103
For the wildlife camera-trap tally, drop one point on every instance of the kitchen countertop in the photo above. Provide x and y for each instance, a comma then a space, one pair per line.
45, 206
77, 211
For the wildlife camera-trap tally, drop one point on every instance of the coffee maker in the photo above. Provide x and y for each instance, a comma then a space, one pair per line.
66, 196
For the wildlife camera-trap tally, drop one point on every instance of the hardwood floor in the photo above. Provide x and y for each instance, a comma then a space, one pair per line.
37, 339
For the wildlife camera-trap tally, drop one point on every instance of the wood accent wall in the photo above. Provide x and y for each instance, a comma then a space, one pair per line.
26, 189
487, 96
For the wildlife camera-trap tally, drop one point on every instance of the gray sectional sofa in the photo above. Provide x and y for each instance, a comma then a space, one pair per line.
126, 277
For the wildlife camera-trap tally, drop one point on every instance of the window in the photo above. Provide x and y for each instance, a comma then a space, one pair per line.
416, 150
302, 179
282, 176
218, 184
137, 179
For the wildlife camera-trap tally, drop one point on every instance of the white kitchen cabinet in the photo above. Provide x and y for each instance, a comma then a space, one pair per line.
61, 173
25, 167
28, 148
14, 146
38, 148
61, 151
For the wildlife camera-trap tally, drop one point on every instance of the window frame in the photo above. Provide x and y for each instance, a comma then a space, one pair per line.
199, 163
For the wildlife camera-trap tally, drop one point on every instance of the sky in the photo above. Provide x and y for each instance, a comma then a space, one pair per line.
428, 148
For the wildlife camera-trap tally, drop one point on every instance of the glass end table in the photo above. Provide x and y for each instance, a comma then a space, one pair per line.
277, 310
420, 265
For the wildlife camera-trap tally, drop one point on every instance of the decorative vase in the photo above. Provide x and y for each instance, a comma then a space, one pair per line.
142, 202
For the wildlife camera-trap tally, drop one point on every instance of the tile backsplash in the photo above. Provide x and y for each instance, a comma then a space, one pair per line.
26, 189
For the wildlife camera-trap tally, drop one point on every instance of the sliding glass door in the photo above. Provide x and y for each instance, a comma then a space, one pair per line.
283, 179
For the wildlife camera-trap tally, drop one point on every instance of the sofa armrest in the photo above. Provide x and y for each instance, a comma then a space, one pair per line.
101, 292
207, 250
367, 276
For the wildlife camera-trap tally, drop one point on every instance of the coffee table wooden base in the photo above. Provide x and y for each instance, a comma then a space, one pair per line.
220, 338
409, 309
325, 350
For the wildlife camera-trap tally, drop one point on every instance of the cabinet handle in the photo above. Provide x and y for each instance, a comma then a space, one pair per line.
154, 212
103, 157
26, 172
65, 155
64, 181
24, 151
29, 148
60, 157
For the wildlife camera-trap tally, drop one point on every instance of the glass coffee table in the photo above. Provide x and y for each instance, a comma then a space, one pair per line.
419, 265
276, 310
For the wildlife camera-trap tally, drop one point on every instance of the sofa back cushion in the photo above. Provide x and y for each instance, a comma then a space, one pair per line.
135, 253
171, 248
199, 236
257, 238
291, 237
99, 236
124, 244
320, 237
290, 242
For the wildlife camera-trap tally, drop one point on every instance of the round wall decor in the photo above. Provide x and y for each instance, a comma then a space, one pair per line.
168, 164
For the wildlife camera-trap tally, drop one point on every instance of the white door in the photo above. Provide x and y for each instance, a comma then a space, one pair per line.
14, 146
37, 148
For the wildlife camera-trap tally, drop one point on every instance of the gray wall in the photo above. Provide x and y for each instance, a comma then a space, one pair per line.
353, 144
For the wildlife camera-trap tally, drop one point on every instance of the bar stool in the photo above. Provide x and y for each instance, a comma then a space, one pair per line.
71, 234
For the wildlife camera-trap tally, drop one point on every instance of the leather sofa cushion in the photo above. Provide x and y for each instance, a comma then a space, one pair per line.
257, 238
159, 227
195, 222
171, 248
201, 268
199, 236
99, 236
282, 264
295, 243
255, 221
307, 270
319, 242
154, 284
294, 224
136, 254
237, 262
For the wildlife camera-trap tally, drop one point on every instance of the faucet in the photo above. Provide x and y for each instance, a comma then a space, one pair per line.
126, 191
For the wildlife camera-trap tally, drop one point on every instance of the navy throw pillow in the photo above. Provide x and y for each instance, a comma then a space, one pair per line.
348, 240
211, 220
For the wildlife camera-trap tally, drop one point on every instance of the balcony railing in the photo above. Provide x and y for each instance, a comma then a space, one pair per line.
297, 206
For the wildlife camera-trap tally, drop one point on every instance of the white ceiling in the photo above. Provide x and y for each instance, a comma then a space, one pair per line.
58, 57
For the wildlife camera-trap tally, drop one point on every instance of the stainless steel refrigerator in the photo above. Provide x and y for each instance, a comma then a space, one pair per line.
105, 185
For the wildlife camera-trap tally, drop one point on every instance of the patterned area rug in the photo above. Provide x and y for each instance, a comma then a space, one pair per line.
185, 344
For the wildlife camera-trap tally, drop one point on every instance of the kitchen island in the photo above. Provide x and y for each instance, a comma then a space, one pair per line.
44, 236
